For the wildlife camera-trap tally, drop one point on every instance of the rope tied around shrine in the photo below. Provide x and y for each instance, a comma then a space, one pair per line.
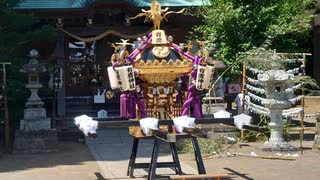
104, 34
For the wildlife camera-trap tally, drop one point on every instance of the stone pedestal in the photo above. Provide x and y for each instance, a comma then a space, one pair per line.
276, 141
35, 141
35, 119
34, 99
316, 144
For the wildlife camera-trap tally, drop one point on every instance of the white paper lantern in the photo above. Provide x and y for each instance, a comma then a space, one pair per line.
125, 77
113, 78
205, 77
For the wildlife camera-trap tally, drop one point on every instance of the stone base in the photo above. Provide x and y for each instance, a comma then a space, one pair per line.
278, 146
316, 144
35, 141
35, 113
35, 125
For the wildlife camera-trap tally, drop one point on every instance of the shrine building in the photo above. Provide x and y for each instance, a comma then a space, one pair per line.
86, 32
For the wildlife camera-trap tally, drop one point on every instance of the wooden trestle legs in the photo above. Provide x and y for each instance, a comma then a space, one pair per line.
154, 164
133, 156
175, 158
198, 157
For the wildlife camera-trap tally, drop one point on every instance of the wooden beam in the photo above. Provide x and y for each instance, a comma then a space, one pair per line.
126, 123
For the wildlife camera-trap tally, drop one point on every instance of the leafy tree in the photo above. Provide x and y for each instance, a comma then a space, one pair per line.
19, 33
233, 26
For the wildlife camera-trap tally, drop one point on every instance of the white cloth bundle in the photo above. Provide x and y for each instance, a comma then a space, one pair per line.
242, 119
183, 121
148, 123
222, 114
86, 124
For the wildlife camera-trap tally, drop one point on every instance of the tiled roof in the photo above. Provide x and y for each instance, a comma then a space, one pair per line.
184, 3
77, 4
45, 4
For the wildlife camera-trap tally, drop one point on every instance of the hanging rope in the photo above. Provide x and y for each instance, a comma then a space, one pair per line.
106, 33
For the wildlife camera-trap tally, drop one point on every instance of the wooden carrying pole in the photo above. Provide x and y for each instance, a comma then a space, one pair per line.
5, 97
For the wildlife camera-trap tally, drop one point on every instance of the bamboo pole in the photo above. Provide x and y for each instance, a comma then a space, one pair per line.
301, 132
244, 74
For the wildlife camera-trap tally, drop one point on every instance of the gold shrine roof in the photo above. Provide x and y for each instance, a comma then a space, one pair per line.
160, 67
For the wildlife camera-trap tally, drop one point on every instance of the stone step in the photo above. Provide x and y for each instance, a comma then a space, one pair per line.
76, 109
70, 135
79, 99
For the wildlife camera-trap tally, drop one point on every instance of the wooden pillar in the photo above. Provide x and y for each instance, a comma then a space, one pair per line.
316, 47
61, 96
5, 98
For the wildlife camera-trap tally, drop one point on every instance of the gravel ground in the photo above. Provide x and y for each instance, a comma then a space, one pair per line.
73, 161
304, 166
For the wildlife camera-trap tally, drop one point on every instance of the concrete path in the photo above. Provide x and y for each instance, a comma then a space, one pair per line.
112, 150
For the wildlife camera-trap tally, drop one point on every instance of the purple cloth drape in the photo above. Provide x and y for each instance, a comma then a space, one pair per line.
123, 105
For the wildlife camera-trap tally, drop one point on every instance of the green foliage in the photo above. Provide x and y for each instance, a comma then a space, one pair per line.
307, 81
233, 26
207, 146
263, 59
19, 33
8, 4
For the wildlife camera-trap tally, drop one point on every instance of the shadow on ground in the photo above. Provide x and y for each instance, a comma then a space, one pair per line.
68, 153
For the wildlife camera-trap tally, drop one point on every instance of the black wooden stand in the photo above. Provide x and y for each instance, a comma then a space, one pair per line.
154, 164
169, 137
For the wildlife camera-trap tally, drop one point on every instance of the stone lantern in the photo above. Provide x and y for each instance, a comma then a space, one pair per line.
35, 134
276, 82
35, 117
